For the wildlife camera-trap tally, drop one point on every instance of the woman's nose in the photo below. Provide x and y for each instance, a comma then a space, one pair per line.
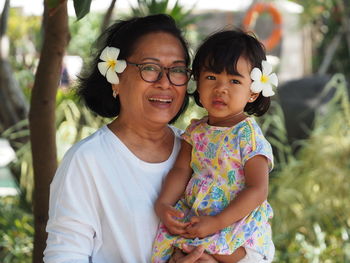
164, 81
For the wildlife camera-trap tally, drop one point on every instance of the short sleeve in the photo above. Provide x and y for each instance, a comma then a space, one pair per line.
252, 142
189, 130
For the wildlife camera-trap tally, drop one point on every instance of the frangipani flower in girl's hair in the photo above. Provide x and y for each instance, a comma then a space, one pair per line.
263, 81
110, 65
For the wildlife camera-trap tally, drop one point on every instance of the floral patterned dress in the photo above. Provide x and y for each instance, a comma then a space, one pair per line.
218, 158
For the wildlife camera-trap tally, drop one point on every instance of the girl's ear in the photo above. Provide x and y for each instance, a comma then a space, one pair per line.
197, 98
253, 97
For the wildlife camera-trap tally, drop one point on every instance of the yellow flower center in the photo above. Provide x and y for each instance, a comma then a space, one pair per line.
111, 63
264, 79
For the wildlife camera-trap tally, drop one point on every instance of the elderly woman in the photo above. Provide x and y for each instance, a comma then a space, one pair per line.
102, 196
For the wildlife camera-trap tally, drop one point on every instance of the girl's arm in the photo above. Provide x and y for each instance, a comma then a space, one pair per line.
173, 188
256, 174
178, 177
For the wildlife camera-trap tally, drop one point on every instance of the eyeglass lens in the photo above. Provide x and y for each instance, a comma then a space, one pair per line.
153, 72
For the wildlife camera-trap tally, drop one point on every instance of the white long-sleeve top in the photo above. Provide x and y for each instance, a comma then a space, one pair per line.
101, 203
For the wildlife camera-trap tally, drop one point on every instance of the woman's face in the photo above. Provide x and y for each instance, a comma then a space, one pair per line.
157, 102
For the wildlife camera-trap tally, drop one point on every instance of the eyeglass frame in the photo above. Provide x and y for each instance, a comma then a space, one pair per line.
160, 74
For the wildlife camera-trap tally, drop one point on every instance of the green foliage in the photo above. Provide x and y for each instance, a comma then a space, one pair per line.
25, 38
84, 32
182, 17
16, 231
22, 165
309, 195
273, 126
73, 123
23, 29
81, 7
327, 19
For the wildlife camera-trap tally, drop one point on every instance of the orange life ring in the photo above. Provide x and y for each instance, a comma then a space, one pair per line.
272, 41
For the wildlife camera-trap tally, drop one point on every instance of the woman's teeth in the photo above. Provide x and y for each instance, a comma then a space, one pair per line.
160, 100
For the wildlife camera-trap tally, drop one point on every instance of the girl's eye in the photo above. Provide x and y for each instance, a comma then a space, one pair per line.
235, 81
210, 77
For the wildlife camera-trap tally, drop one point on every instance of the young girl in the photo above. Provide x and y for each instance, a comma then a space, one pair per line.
221, 174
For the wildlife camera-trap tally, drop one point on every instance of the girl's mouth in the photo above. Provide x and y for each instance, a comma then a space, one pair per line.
218, 102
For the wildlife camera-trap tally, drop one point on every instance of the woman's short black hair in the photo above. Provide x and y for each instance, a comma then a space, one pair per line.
92, 86
221, 51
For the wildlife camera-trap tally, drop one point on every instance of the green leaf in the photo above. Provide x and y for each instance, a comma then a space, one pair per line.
52, 3
82, 7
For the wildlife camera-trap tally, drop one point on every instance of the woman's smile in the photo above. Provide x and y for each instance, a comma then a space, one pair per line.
161, 101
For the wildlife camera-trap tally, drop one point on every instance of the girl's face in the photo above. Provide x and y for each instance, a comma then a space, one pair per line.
224, 95
151, 103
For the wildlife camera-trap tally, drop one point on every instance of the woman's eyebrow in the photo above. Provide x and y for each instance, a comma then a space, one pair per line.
179, 62
158, 61
150, 58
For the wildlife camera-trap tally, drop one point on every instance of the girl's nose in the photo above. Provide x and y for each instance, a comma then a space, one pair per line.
220, 88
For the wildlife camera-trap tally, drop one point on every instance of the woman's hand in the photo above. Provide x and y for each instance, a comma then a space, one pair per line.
201, 226
194, 255
168, 215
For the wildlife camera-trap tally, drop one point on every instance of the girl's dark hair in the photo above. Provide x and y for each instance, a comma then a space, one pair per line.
221, 51
92, 86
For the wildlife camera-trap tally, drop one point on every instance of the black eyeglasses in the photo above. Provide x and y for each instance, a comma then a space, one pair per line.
152, 72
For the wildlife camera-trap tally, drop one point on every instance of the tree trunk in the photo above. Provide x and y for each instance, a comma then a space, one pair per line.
13, 106
108, 16
42, 117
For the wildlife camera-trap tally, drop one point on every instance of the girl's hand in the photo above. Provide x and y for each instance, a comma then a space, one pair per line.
167, 215
201, 226
193, 255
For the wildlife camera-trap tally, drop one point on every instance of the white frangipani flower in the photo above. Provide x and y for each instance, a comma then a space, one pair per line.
110, 65
263, 81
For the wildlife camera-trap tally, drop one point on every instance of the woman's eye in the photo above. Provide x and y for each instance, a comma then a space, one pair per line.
150, 68
179, 70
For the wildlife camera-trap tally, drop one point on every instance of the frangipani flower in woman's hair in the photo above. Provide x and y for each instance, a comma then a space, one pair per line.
110, 65
263, 81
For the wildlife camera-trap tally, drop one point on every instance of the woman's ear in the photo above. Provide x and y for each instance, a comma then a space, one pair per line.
253, 97
115, 89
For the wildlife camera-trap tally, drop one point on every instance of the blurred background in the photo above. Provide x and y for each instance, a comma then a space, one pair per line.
308, 124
